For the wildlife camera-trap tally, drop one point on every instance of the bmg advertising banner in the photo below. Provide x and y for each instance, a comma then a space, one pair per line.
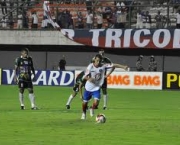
171, 80
50, 78
135, 80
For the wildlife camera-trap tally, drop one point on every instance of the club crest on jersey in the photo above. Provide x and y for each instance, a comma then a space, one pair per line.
100, 70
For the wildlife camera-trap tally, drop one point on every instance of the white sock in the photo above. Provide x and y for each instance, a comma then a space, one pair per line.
69, 100
32, 100
21, 99
105, 100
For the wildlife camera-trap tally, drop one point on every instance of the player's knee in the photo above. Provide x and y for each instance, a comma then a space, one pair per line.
104, 90
95, 104
21, 90
31, 91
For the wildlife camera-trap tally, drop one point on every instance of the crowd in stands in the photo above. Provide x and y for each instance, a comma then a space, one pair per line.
93, 14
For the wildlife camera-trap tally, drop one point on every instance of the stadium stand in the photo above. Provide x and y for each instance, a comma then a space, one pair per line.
167, 8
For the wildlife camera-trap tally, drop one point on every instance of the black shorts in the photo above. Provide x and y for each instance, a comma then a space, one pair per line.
24, 85
104, 86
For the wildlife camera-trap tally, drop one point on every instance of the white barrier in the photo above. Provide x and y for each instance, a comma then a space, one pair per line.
134, 80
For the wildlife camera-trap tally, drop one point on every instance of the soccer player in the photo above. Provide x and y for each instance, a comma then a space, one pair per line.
96, 73
22, 76
104, 86
80, 82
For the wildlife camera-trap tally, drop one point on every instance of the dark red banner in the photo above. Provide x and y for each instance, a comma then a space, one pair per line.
126, 38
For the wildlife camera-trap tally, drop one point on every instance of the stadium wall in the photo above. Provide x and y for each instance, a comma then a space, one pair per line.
20, 37
77, 60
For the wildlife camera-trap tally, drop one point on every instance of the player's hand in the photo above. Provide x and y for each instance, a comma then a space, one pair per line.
15, 80
81, 97
126, 68
34, 79
91, 80
106, 76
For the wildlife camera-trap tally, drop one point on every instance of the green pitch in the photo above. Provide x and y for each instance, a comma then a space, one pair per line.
134, 117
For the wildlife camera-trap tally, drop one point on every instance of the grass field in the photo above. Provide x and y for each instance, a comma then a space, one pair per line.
134, 117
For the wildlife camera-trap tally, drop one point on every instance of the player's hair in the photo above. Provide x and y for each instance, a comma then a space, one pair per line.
101, 50
152, 57
140, 57
99, 56
26, 50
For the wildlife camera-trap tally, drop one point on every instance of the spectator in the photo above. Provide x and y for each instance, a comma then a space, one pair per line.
178, 20
71, 21
62, 64
107, 12
99, 20
89, 19
80, 23
20, 21
34, 20
118, 18
152, 64
4, 7
11, 5
11, 22
139, 21
139, 66
25, 20
67, 18
159, 20
123, 16
4, 22
89, 5
60, 19
147, 20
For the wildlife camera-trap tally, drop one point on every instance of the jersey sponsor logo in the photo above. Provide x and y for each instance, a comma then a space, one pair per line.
132, 80
171, 80
25, 62
51, 78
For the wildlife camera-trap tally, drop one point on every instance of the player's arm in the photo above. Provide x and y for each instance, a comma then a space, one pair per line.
80, 90
16, 68
107, 60
112, 69
87, 75
32, 68
125, 67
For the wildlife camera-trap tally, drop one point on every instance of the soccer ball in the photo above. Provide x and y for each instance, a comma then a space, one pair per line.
100, 118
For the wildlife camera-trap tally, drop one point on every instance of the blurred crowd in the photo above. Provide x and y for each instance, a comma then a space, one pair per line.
89, 14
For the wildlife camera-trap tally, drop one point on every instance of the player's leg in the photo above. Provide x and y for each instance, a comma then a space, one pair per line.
105, 96
75, 91
31, 95
21, 96
96, 95
86, 98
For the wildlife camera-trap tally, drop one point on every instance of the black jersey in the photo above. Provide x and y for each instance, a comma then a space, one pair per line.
25, 67
105, 60
79, 78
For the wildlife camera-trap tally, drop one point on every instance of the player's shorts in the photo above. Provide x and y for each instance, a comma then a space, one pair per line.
88, 95
104, 84
24, 85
